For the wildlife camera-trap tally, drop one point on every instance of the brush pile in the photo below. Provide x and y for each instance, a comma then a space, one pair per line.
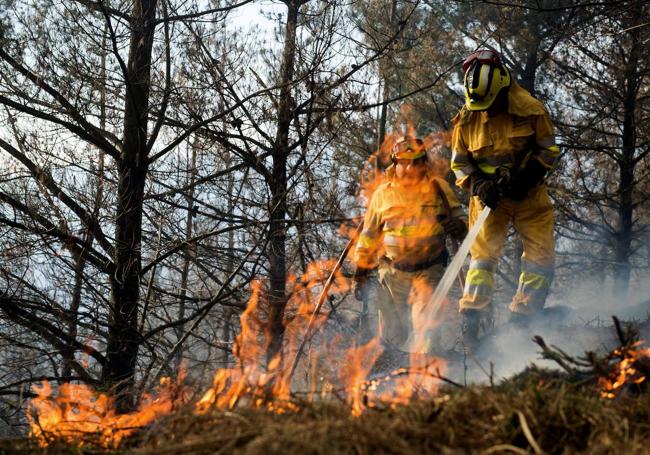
621, 371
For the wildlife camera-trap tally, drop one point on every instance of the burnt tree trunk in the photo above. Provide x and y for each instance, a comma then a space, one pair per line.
123, 337
386, 87
188, 255
532, 62
278, 186
623, 237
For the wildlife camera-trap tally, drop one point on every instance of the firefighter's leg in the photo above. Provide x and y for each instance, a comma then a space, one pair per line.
533, 220
485, 252
392, 305
424, 324
479, 281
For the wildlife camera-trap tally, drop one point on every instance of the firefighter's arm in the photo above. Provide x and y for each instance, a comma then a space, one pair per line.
366, 251
549, 152
369, 243
461, 162
540, 164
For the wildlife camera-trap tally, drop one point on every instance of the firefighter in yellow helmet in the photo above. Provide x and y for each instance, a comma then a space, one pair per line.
403, 237
503, 145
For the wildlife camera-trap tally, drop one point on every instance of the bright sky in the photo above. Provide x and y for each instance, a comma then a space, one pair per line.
255, 13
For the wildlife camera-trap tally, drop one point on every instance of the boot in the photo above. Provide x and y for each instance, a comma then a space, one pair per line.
470, 329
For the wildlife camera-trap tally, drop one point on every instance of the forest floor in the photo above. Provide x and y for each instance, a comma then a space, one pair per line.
536, 411
540, 408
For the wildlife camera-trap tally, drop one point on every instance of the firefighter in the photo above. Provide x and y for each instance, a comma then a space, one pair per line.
503, 146
404, 238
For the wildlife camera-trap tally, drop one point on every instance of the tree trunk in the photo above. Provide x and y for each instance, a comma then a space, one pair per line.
227, 335
530, 69
626, 163
123, 337
386, 87
278, 187
533, 42
190, 252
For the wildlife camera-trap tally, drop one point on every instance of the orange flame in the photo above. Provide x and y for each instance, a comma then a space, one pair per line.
373, 175
421, 377
626, 371
270, 387
78, 411
80, 414
358, 362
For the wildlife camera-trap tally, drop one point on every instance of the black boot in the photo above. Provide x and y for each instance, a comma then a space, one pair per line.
470, 329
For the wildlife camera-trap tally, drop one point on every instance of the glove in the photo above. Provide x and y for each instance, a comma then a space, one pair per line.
486, 189
361, 283
455, 227
526, 179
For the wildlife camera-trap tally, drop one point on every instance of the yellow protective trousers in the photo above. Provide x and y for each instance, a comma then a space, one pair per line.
533, 220
402, 306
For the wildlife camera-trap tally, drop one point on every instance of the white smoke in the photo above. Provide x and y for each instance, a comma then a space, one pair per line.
576, 320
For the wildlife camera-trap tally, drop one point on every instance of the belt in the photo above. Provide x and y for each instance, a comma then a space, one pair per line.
405, 267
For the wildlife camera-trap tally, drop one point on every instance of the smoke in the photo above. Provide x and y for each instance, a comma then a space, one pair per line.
595, 299
576, 320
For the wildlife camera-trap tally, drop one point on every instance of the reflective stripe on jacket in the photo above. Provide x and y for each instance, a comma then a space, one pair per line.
484, 143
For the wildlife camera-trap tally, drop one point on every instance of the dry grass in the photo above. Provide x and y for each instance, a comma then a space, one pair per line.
535, 412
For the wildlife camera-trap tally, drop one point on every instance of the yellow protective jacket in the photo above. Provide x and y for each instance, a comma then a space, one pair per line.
486, 143
403, 223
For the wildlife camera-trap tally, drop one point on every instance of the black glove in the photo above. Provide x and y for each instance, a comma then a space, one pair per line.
526, 179
486, 188
361, 283
455, 227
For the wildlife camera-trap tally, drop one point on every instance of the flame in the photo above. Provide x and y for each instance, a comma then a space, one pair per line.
358, 362
79, 414
421, 377
626, 370
250, 383
373, 175
330, 366
270, 386
424, 369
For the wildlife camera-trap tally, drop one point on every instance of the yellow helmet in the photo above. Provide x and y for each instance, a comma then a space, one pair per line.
408, 148
483, 82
